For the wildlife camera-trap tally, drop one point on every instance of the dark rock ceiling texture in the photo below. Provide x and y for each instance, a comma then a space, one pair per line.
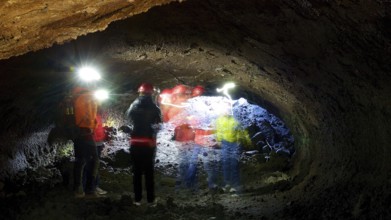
322, 66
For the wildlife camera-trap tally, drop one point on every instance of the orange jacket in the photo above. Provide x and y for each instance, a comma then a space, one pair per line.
85, 108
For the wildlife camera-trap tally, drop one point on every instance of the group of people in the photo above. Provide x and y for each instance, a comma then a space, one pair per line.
197, 140
145, 118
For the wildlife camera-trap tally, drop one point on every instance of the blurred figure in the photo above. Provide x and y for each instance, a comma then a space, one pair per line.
204, 144
179, 95
99, 138
205, 148
197, 91
230, 135
183, 134
144, 116
164, 101
85, 110
184, 137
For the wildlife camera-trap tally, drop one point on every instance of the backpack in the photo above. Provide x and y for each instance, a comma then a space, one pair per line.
65, 123
73, 107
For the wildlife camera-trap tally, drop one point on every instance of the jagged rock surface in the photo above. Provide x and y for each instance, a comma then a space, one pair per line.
33, 25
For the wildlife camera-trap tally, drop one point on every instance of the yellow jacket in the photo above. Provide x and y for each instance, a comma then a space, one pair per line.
228, 129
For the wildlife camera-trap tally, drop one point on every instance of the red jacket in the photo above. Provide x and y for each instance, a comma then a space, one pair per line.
99, 132
184, 133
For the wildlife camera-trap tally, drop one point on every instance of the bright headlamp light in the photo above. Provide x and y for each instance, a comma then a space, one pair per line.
101, 94
88, 74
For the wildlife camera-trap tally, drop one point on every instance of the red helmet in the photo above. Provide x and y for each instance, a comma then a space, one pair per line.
165, 93
181, 89
197, 91
146, 88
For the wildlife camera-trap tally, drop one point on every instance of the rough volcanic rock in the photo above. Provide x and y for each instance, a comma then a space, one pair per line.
33, 25
323, 67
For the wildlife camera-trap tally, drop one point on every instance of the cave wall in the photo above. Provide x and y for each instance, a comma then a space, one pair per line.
322, 66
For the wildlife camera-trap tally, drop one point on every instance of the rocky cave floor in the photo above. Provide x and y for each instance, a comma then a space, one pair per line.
262, 184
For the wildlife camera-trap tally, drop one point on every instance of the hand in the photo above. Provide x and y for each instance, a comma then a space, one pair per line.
126, 129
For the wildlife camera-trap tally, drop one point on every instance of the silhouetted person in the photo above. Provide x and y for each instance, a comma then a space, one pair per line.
85, 109
144, 116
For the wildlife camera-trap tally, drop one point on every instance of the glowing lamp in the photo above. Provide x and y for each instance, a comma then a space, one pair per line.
225, 89
88, 74
101, 94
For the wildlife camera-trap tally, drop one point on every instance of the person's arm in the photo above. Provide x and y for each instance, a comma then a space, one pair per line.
130, 111
245, 140
158, 119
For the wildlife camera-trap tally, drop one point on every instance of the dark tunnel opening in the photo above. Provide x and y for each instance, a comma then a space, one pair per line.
322, 68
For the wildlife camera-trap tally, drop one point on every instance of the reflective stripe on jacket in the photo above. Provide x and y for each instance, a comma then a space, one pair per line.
142, 141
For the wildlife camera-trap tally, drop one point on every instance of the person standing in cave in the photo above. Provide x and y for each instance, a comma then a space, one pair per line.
145, 117
203, 145
230, 137
85, 110
183, 136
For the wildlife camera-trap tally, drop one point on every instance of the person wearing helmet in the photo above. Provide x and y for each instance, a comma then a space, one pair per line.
197, 91
144, 117
203, 148
181, 90
85, 110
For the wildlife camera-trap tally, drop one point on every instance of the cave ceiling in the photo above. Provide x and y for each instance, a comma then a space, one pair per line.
32, 25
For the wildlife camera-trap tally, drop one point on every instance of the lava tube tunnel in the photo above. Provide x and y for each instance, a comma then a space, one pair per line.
306, 84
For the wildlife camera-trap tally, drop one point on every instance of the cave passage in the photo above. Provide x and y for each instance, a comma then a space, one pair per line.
268, 134
312, 80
